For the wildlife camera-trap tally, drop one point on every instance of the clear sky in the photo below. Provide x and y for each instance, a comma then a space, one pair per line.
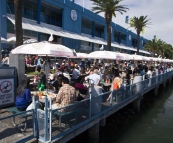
159, 11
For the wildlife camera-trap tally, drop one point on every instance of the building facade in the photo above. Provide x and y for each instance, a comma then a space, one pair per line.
70, 25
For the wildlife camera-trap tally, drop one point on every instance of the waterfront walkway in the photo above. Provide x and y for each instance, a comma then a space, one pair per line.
53, 125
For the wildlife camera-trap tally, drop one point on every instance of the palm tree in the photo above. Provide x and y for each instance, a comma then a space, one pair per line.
152, 46
18, 22
108, 7
139, 24
168, 52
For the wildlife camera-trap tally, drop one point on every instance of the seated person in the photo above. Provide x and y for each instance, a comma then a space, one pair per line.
23, 98
94, 77
58, 72
58, 83
66, 95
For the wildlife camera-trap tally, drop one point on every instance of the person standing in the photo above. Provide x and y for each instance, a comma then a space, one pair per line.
75, 74
94, 77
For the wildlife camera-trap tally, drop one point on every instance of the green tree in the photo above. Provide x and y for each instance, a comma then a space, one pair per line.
18, 22
168, 52
159, 47
109, 8
139, 24
151, 46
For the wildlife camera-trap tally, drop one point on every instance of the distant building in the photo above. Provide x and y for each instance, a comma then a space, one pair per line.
70, 24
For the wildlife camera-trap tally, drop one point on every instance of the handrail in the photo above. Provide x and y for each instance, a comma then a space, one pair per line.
127, 90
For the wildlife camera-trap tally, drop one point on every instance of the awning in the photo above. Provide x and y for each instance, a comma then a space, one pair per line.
3, 40
51, 29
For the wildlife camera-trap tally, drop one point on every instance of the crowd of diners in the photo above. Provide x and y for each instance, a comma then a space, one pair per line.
67, 82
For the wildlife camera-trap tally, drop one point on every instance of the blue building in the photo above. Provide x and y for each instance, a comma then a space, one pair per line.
70, 25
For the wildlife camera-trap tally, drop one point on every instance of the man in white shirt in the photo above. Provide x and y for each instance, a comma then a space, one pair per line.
94, 77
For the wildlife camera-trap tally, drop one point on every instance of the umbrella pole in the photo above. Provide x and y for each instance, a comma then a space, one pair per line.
55, 65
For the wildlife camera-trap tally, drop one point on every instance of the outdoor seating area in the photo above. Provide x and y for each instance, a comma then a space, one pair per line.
74, 87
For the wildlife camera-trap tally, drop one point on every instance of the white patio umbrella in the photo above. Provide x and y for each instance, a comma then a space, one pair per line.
28, 41
144, 58
159, 59
82, 55
104, 55
44, 49
3, 40
137, 57
126, 57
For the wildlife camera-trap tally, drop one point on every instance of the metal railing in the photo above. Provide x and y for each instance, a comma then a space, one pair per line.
52, 124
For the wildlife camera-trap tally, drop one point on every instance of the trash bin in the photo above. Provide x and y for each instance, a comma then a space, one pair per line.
8, 86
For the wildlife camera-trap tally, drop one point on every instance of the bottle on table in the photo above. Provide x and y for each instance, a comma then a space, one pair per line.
40, 94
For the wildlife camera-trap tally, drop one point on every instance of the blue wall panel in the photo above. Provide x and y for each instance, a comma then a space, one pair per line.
3, 23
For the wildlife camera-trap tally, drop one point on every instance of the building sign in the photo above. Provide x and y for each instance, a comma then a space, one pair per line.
6, 91
73, 15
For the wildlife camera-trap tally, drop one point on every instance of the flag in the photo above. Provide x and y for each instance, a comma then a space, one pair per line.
127, 19
155, 38
143, 30
131, 22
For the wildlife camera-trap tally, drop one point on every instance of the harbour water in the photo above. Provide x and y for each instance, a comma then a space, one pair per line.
154, 124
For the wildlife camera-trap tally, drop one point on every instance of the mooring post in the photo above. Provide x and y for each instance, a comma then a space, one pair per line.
164, 84
136, 104
156, 91
93, 133
169, 80
103, 122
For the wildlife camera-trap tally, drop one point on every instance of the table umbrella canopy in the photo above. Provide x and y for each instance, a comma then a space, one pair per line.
44, 49
104, 55
28, 41
3, 40
82, 55
126, 57
137, 57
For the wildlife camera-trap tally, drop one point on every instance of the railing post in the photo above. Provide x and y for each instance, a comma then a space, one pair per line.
35, 102
90, 101
50, 119
46, 119
111, 99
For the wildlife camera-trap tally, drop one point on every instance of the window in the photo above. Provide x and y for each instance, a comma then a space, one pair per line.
29, 33
10, 27
99, 31
44, 37
29, 9
134, 42
116, 36
51, 15
123, 38
86, 26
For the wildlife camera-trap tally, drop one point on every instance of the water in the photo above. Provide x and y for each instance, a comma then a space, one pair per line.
154, 124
